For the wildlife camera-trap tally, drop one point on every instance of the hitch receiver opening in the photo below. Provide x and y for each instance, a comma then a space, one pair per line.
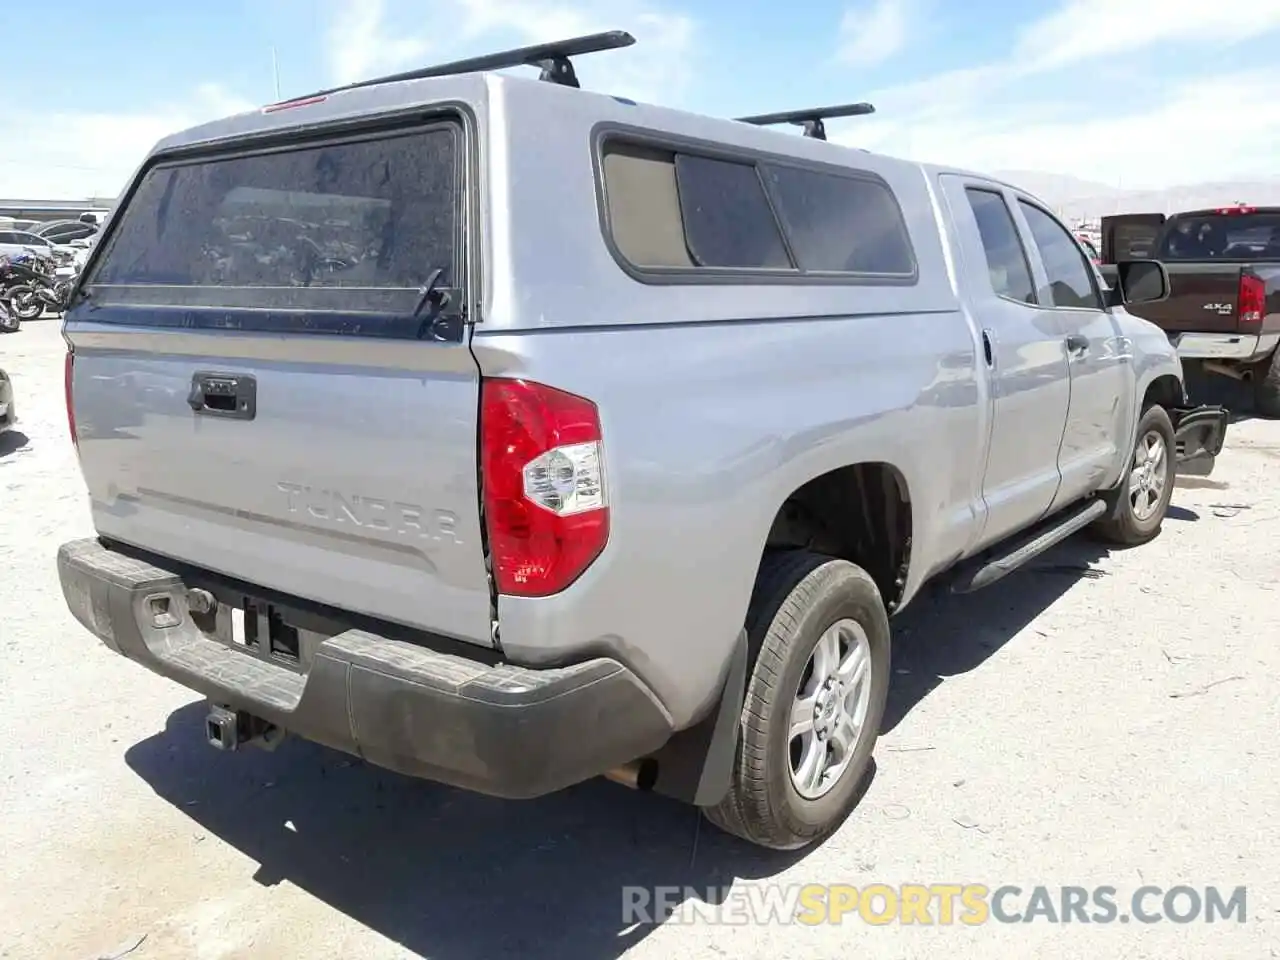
230, 729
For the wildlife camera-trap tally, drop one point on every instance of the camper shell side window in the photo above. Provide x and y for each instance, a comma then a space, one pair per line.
675, 213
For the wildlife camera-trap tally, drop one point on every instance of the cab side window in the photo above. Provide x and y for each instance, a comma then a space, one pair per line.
1070, 274
1006, 259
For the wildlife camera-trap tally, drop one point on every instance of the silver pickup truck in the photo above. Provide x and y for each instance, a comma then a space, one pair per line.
508, 435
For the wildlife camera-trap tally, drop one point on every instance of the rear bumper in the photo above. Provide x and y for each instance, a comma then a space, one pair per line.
1224, 346
503, 730
1199, 433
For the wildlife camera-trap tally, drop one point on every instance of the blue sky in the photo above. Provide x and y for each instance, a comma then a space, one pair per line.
1138, 93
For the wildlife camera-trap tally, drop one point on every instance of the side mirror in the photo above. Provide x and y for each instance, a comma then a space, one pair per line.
1142, 281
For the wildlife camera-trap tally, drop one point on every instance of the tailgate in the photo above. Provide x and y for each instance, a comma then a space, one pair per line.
1202, 299
262, 389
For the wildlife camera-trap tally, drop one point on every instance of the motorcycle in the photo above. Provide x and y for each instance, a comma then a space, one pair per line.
29, 286
9, 322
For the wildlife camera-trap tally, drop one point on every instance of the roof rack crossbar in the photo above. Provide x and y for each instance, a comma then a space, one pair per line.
811, 119
552, 58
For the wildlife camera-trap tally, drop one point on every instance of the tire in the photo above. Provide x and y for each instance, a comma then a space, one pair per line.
1127, 523
1266, 387
24, 303
798, 597
9, 322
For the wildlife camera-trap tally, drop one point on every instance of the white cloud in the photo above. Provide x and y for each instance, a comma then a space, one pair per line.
365, 39
1091, 29
1054, 105
77, 155
362, 44
871, 34
1145, 145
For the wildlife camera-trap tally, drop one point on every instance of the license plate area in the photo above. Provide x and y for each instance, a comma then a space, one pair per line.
260, 629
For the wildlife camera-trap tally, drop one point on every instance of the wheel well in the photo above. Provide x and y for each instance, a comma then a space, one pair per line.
860, 513
1166, 391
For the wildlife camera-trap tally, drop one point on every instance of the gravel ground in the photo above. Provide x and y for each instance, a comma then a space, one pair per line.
1097, 720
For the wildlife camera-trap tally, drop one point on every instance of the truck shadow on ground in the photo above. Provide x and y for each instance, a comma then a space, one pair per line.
446, 873
941, 635
450, 874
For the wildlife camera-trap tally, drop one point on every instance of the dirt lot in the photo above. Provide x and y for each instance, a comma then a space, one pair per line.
1097, 720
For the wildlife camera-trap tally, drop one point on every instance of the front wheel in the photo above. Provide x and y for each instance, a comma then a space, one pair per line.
1139, 504
814, 701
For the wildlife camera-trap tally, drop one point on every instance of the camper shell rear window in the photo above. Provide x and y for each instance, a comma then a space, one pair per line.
350, 228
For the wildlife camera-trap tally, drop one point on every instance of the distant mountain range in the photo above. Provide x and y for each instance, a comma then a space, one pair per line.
1074, 198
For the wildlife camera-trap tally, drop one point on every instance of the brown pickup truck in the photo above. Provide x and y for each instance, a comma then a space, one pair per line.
1223, 310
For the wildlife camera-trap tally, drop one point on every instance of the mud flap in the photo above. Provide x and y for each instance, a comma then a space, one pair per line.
696, 765
1199, 433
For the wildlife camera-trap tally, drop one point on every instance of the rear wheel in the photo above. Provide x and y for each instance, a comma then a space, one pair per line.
9, 321
1139, 504
1266, 387
814, 702
24, 302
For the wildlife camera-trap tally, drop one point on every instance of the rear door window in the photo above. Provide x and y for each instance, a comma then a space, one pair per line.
355, 226
1007, 263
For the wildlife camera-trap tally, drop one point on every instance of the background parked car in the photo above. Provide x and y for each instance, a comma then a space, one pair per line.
14, 243
64, 231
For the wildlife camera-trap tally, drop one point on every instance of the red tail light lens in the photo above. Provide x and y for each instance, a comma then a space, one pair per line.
542, 466
68, 370
1251, 305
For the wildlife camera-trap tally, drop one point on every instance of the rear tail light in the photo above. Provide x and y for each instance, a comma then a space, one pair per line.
68, 369
1251, 305
542, 470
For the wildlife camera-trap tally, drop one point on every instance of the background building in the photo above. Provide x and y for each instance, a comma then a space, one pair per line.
44, 210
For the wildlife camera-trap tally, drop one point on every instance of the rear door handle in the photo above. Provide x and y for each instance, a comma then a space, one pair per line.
230, 395
987, 350
1077, 344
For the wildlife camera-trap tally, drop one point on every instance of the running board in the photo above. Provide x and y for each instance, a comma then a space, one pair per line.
986, 571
